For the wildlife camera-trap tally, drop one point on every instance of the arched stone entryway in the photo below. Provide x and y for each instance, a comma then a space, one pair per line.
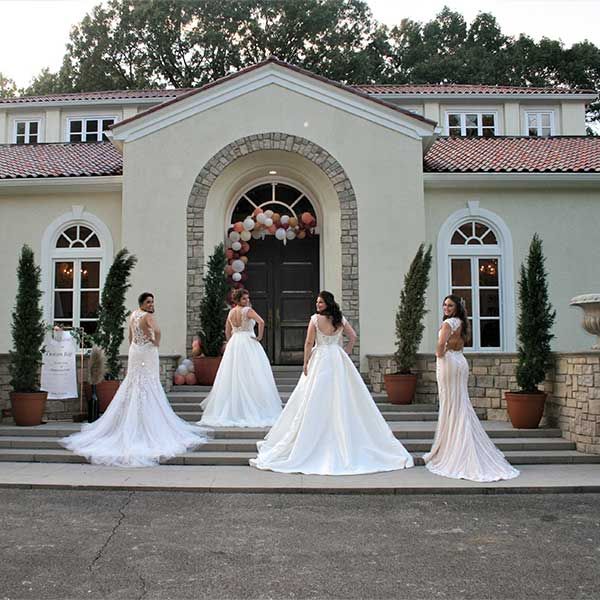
286, 143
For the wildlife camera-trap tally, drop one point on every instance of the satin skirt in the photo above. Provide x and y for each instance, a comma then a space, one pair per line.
331, 425
139, 427
461, 447
244, 393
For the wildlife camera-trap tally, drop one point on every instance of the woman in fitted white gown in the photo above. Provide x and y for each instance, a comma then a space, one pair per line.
244, 393
330, 425
139, 426
461, 448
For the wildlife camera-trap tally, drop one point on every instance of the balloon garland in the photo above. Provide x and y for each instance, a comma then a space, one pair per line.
257, 226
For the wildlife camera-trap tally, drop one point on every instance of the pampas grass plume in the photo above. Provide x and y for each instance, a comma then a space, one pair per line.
97, 365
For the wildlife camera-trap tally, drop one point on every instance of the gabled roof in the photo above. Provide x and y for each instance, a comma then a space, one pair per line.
59, 160
514, 155
435, 89
116, 95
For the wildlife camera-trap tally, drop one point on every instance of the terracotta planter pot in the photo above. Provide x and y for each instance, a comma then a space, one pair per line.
28, 408
525, 410
205, 368
400, 388
106, 391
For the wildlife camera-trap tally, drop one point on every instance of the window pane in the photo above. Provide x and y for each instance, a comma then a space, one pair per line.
84, 232
454, 131
490, 238
89, 326
489, 303
71, 233
21, 128
488, 271
33, 127
454, 121
532, 121
93, 242
467, 297
471, 132
89, 304
488, 132
90, 274
75, 137
20, 139
33, 139
546, 120
458, 239
469, 343
106, 123
471, 120
487, 120
461, 272
480, 229
75, 127
63, 275
474, 242
91, 126
63, 305
467, 229
490, 333
532, 132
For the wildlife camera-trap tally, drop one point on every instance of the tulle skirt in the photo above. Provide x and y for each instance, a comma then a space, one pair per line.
331, 425
244, 393
139, 426
461, 448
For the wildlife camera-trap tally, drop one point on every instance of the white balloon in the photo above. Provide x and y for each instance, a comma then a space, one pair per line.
256, 234
285, 219
236, 277
245, 235
280, 234
268, 222
248, 223
181, 370
290, 234
236, 246
234, 236
261, 217
187, 363
238, 265
268, 214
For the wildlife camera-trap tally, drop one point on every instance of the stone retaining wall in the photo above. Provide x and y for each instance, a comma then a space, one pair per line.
63, 410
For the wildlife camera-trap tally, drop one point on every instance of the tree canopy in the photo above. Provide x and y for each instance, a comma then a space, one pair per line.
184, 43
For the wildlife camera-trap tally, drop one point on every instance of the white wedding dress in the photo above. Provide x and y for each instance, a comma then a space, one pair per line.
461, 448
244, 393
139, 426
331, 425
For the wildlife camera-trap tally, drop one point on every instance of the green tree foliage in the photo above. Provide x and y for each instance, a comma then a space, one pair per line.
27, 326
213, 305
8, 89
535, 320
112, 312
48, 83
409, 318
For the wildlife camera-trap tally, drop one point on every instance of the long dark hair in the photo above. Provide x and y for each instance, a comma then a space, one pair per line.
461, 313
333, 309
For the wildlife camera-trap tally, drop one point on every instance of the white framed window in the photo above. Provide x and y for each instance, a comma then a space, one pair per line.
27, 132
471, 124
475, 263
88, 129
76, 253
539, 123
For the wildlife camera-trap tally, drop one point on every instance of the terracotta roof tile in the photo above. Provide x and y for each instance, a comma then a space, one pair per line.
105, 95
457, 88
514, 155
59, 160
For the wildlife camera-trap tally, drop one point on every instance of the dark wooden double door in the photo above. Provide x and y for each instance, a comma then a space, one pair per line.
283, 281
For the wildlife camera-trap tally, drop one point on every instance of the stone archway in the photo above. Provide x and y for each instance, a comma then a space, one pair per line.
286, 143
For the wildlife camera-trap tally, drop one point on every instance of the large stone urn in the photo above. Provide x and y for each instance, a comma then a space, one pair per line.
590, 303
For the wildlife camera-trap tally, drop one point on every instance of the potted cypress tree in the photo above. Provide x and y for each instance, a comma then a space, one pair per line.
212, 318
401, 386
526, 407
27, 401
111, 317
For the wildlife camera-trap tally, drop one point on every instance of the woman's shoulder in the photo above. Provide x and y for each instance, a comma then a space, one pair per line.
453, 322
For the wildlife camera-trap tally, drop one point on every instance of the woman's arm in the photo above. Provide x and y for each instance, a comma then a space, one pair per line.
151, 328
228, 330
351, 335
252, 314
308, 345
130, 332
443, 336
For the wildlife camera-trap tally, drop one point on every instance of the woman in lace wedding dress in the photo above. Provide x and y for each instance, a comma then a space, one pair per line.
244, 393
330, 424
461, 448
139, 426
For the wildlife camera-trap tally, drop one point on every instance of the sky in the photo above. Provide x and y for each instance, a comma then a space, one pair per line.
33, 33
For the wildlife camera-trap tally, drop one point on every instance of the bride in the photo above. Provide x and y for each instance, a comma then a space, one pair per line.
139, 426
461, 448
330, 424
244, 393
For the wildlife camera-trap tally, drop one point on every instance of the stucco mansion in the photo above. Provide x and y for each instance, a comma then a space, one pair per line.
474, 170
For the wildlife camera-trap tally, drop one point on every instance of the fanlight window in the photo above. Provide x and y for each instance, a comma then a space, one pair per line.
78, 236
474, 233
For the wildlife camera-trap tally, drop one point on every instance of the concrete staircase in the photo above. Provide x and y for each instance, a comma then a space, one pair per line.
413, 424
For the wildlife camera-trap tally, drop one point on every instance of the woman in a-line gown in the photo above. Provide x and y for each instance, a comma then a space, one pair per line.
461, 448
139, 426
330, 425
244, 393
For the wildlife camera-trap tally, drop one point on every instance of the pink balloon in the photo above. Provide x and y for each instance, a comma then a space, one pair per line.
179, 379
190, 379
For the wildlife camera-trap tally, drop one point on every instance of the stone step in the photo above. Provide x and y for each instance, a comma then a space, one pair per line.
516, 457
388, 415
249, 444
197, 397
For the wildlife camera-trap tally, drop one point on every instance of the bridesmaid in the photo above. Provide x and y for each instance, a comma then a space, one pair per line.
461, 448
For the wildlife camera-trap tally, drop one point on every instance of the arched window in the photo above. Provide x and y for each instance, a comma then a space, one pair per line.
475, 263
76, 250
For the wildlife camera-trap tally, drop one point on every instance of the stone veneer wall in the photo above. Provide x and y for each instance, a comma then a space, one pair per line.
63, 410
573, 388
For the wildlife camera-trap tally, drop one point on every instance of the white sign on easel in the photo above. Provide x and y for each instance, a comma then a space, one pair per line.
59, 372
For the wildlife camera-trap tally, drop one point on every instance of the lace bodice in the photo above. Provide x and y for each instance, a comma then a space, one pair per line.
455, 324
139, 337
246, 323
322, 339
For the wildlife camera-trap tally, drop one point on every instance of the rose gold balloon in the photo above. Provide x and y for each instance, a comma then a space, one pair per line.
276, 217
301, 234
179, 379
293, 222
190, 379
